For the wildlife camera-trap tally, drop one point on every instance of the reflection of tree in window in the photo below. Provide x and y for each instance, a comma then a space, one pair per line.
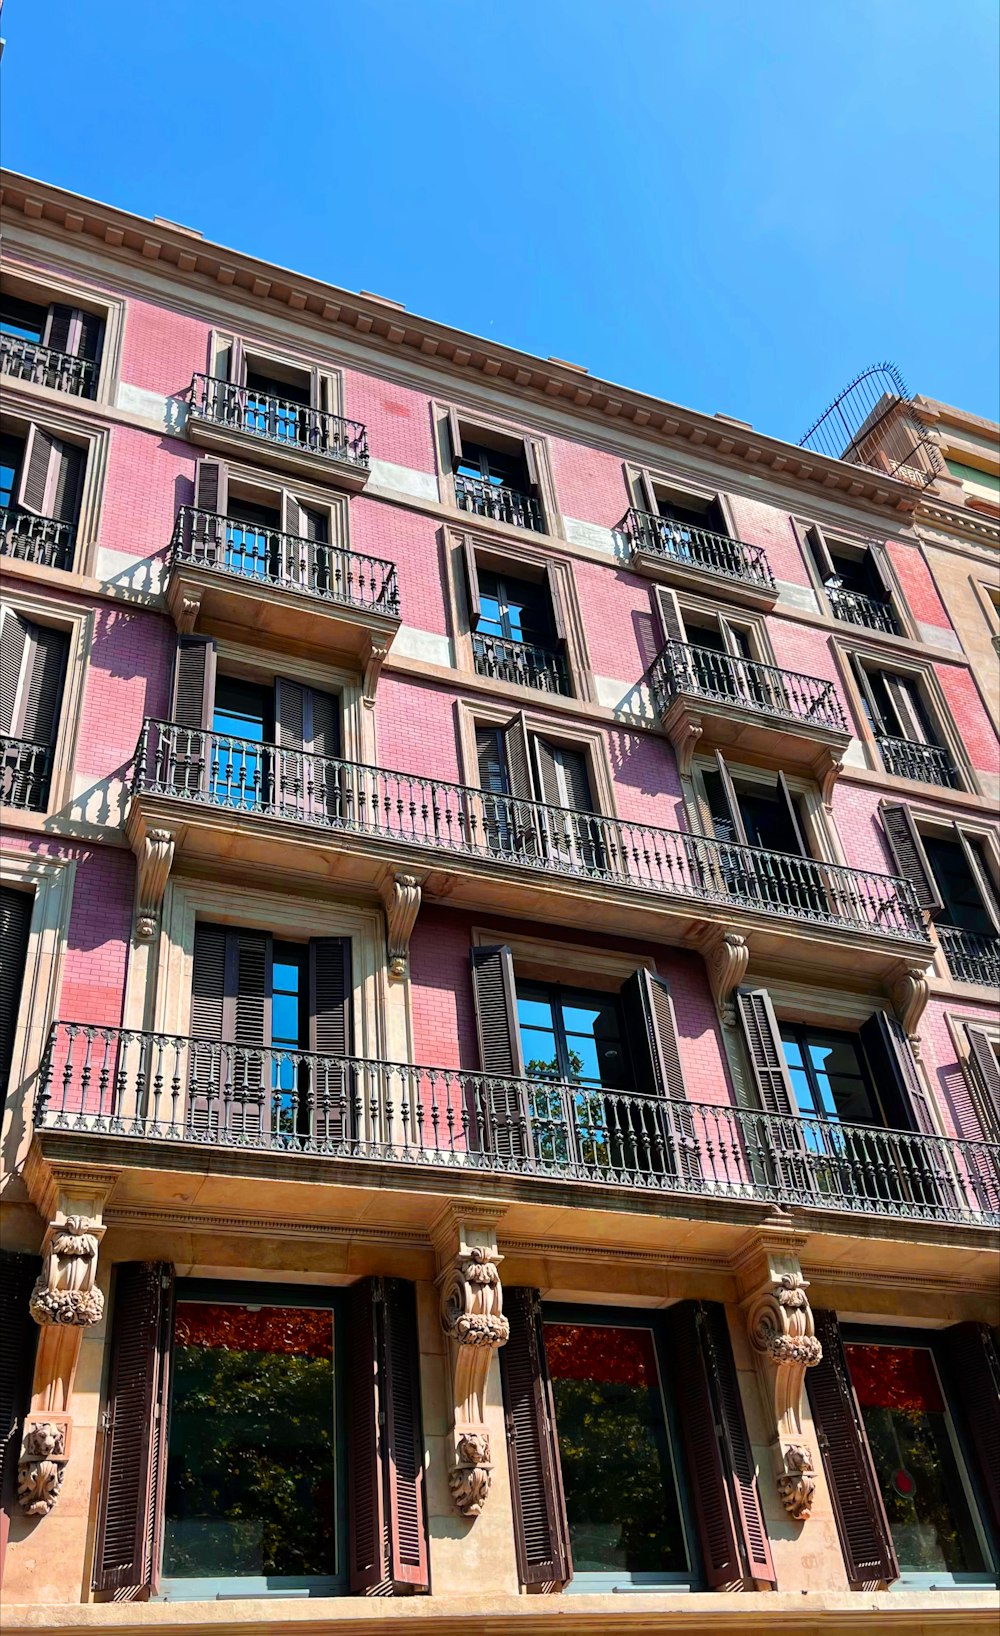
575, 1037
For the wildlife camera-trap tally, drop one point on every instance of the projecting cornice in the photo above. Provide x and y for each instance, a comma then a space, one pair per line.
386, 327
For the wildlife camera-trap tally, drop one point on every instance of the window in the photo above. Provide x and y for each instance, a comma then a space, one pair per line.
829, 1075
495, 474
24, 319
858, 581
56, 346
754, 813
262, 533
11, 456
518, 765
954, 884
41, 475
572, 1035
285, 404
518, 629
33, 660
689, 511
15, 925
902, 724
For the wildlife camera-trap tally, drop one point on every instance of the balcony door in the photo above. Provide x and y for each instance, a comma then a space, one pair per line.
243, 722
515, 766
574, 1037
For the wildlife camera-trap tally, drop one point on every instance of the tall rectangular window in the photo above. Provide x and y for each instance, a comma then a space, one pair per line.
829, 1075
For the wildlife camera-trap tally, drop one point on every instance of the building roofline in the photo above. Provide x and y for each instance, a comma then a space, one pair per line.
933, 411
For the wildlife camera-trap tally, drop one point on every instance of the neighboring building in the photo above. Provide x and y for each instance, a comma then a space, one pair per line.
499, 993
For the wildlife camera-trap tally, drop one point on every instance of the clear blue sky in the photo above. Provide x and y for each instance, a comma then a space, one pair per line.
733, 206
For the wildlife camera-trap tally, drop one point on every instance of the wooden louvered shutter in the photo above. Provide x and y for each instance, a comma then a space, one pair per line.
331, 1088
731, 799
556, 602
985, 1070
38, 713
387, 1508
671, 618
531, 463
454, 436
36, 490
909, 855
208, 998
471, 573
505, 1109
211, 486
816, 542
18, 1341
719, 1459
865, 1539
133, 1469
194, 682
518, 757
247, 1022
15, 641
237, 362
15, 925
667, 1134
878, 558
91, 336
904, 1099
548, 778
981, 875
541, 1529
67, 480
293, 519
876, 718
62, 328
973, 1368
765, 1052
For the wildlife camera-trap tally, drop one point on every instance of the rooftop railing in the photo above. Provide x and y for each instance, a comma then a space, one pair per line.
971, 957
29, 538
854, 608
927, 763
726, 679
25, 360
170, 1088
698, 548
525, 664
217, 770
277, 420
25, 772
286, 562
504, 505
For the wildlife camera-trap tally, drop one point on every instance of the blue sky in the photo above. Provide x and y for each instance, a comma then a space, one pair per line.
735, 207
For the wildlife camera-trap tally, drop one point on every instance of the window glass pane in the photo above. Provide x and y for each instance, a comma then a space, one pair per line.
285, 1019
251, 1478
534, 1012
915, 1459
621, 1499
286, 977
6, 484
583, 1058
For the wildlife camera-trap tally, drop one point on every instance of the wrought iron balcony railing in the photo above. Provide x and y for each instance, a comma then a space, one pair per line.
971, 958
856, 609
169, 1088
522, 663
25, 360
698, 548
216, 770
279, 421
726, 679
203, 539
904, 758
503, 505
29, 538
25, 771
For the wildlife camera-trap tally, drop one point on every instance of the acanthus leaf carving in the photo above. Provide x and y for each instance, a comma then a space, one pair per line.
401, 900
472, 1319
780, 1327
910, 991
41, 1465
154, 856
727, 959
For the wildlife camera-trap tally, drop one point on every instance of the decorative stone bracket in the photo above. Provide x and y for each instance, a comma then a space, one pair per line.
377, 653
154, 856
401, 899
910, 992
473, 1321
780, 1327
727, 957
186, 615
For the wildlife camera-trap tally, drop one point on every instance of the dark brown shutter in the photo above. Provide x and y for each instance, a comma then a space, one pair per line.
985, 1071
981, 875
973, 1370
719, 1459
208, 999
237, 362
15, 642
211, 486
671, 618
652, 1033
518, 755
556, 602
133, 1468
878, 557
34, 488
292, 516
387, 1508
866, 690
454, 436
289, 714
825, 565
765, 1052
548, 780
15, 925
909, 856
471, 581
541, 1529
62, 328
69, 461
18, 1341
897, 1077
330, 991
44, 684
247, 1014
194, 681
91, 334
869, 1555
732, 800
323, 722
791, 811
647, 498
505, 1107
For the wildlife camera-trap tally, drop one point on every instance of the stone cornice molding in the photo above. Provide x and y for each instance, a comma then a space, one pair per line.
387, 326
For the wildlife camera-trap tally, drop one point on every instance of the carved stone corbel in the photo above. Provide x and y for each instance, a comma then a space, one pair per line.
910, 992
473, 1322
726, 960
41, 1464
154, 856
780, 1327
377, 651
827, 774
401, 899
684, 730
187, 611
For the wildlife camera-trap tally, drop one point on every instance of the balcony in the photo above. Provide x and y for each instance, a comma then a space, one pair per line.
925, 763
712, 700
856, 609
25, 360
28, 538
482, 498
252, 581
143, 1095
312, 442
683, 555
235, 805
971, 958
520, 663
25, 773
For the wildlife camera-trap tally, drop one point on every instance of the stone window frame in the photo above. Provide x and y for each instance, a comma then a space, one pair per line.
513, 553
37, 284
262, 665
50, 881
267, 351
78, 622
931, 821
65, 418
820, 828
589, 741
747, 620
442, 416
923, 673
641, 484
854, 540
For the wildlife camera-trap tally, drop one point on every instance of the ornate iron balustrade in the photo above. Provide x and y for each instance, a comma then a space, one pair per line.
281, 421
29, 538
216, 770
25, 771
928, 764
522, 663
971, 958
685, 668
856, 609
25, 360
504, 505
698, 548
203, 539
171, 1088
